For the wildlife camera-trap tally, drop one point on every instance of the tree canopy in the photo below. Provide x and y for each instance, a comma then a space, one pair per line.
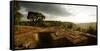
17, 14
35, 17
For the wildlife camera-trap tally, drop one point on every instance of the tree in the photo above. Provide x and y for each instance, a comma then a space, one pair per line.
91, 30
70, 25
17, 14
36, 17
78, 29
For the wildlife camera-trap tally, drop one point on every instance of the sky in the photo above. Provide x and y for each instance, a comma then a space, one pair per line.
58, 12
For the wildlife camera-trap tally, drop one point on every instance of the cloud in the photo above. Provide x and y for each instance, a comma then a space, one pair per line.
56, 12
51, 9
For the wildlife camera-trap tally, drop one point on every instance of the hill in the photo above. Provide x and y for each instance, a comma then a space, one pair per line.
88, 27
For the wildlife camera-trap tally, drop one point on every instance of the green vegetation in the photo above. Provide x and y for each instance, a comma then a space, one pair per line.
92, 30
17, 15
88, 28
26, 33
85, 27
36, 17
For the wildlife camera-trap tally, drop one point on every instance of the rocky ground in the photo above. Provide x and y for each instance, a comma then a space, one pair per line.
27, 37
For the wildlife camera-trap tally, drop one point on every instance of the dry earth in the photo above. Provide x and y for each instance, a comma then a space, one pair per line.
27, 37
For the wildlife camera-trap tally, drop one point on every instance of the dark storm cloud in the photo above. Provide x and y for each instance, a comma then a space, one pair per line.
51, 9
